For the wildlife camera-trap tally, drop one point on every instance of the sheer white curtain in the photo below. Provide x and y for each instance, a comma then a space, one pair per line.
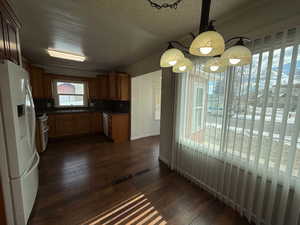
237, 132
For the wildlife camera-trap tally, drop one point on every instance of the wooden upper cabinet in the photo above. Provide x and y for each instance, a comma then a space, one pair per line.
93, 87
37, 82
47, 86
123, 87
2, 41
112, 81
119, 86
102, 87
13, 43
9, 31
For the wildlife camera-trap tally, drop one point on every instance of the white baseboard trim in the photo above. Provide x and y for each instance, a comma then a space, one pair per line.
143, 136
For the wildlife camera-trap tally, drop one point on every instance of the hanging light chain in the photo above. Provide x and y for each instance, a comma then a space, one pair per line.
164, 5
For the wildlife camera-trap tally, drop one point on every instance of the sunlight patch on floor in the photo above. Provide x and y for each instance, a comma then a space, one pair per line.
137, 210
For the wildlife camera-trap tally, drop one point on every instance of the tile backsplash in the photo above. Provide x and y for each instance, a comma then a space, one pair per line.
43, 104
113, 106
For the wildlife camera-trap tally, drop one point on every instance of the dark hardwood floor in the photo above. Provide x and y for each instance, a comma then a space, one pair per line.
88, 180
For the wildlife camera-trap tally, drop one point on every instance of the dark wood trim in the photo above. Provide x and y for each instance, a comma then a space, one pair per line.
9, 12
2, 209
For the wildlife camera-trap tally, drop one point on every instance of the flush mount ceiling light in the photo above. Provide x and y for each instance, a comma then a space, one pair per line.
183, 66
171, 57
66, 55
215, 65
238, 55
209, 43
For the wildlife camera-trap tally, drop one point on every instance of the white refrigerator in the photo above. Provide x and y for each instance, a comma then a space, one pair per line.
18, 156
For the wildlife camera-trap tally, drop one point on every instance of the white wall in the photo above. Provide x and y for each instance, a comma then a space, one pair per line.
143, 123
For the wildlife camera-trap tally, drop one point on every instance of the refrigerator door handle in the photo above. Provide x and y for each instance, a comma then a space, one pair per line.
34, 166
33, 122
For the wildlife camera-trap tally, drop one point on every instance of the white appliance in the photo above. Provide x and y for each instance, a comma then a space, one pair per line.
18, 156
105, 124
43, 130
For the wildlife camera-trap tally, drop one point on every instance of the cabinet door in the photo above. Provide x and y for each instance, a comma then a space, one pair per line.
37, 82
120, 127
123, 87
13, 43
64, 125
47, 86
6, 39
102, 87
96, 122
113, 80
82, 123
2, 40
93, 88
51, 125
9, 46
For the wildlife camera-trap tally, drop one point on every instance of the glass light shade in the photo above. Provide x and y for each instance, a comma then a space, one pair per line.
183, 65
237, 56
171, 57
215, 65
209, 43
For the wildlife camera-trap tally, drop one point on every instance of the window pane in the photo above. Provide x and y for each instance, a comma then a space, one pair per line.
70, 100
70, 88
199, 97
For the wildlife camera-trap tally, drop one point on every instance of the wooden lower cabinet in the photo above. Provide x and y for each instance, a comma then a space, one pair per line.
96, 123
61, 125
65, 125
52, 126
82, 123
117, 126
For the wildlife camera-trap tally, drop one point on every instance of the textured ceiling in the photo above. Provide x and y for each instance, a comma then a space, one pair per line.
111, 33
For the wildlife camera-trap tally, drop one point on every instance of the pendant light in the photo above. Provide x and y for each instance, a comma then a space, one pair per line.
215, 65
170, 57
238, 55
208, 43
183, 66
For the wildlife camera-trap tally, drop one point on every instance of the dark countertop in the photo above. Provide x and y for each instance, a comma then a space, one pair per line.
85, 110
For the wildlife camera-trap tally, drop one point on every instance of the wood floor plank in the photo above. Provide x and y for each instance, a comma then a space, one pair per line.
89, 180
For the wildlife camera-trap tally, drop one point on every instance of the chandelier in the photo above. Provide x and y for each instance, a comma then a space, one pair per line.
208, 43
164, 5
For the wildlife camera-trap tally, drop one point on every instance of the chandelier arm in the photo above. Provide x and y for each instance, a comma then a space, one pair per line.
238, 37
182, 47
180, 44
193, 35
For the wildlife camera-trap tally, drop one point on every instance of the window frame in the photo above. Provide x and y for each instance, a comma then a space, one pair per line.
56, 95
195, 128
